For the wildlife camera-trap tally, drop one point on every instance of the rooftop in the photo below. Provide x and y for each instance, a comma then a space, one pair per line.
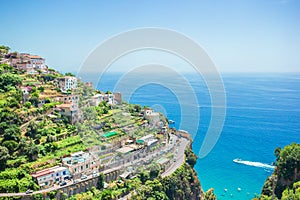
146, 137
66, 105
125, 150
110, 134
76, 158
162, 161
47, 171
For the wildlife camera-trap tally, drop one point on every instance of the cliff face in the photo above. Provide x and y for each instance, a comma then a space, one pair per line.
286, 173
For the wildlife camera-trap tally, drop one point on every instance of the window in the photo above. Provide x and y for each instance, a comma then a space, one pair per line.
87, 166
64, 172
57, 174
81, 168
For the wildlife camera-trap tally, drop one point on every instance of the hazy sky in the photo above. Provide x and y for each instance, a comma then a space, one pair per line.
239, 36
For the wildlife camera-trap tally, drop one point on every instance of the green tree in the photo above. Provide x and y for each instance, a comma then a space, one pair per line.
32, 151
4, 156
10, 145
154, 171
12, 133
41, 89
9, 81
34, 101
144, 176
191, 157
100, 183
4, 49
27, 104
69, 74
209, 195
292, 194
32, 130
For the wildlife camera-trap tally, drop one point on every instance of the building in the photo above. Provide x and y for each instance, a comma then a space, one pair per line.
35, 61
80, 163
48, 177
89, 84
69, 98
118, 98
152, 116
67, 83
148, 140
111, 99
71, 111
97, 98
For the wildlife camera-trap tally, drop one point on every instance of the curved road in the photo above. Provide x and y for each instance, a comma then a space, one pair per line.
175, 165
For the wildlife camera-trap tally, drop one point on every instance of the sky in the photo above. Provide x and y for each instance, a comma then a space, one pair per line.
239, 36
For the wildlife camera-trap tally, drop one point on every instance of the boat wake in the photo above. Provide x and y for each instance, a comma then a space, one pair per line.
254, 164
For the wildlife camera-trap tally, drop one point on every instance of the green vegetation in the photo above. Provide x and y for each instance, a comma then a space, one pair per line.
182, 184
35, 134
284, 182
30, 139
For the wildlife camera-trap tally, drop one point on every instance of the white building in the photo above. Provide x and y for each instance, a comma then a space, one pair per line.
111, 99
47, 177
151, 116
147, 140
67, 83
80, 163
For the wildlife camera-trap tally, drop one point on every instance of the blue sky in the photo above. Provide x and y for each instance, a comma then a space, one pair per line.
239, 36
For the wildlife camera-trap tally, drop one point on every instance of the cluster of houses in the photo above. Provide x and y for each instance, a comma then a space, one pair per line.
32, 64
74, 166
81, 163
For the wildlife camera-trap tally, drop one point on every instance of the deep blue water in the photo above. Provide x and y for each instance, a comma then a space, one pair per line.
263, 112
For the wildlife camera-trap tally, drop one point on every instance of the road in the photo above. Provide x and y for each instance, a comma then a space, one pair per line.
179, 161
175, 165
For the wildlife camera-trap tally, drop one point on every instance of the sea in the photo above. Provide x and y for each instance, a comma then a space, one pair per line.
262, 113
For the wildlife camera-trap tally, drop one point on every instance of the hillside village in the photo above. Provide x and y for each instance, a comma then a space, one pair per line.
59, 131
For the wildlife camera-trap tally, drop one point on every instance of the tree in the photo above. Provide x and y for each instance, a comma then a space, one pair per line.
69, 74
100, 183
107, 195
292, 194
12, 133
137, 108
209, 195
9, 81
34, 101
277, 153
154, 171
41, 89
4, 50
4, 156
10, 145
32, 130
27, 104
144, 176
191, 157
32, 152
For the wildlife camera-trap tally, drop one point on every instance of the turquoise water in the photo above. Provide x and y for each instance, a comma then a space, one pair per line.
263, 112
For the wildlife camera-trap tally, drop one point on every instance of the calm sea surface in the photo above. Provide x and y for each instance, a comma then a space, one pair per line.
263, 112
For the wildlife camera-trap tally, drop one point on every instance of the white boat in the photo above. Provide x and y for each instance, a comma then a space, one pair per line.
254, 164
171, 122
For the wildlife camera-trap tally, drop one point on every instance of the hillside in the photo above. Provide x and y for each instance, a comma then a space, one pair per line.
284, 183
58, 132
